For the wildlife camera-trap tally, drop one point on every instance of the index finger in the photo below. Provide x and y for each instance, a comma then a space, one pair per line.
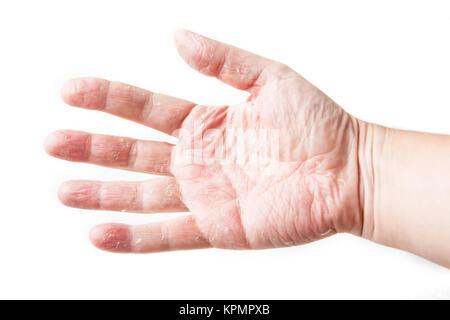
158, 111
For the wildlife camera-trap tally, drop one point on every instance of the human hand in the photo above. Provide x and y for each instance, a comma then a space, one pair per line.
278, 169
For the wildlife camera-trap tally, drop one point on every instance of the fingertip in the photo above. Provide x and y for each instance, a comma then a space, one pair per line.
96, 235
69, 92
181, 35
50, 142
114, 237
85, 92
79, 194
184, 42
67, 144
54, 141
64, 192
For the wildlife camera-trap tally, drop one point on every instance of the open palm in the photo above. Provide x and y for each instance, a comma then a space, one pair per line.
279, 169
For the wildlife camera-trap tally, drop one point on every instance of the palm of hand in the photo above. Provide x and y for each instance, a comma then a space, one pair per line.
274, 171
279, 169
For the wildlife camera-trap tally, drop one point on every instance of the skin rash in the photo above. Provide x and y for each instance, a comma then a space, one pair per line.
285, 167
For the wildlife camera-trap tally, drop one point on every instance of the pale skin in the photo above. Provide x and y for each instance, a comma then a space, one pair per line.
331, 172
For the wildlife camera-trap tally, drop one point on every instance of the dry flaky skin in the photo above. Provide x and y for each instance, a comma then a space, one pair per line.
310, 192
279, 169
285, 167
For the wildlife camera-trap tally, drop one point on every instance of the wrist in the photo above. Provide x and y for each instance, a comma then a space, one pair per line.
373, 146
404, 182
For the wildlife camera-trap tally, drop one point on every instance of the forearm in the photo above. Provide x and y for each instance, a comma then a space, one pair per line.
405, 190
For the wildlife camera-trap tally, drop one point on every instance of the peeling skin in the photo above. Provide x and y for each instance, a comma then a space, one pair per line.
111, 238
241, 192
156, 195
125, 153
311, 193
306, 191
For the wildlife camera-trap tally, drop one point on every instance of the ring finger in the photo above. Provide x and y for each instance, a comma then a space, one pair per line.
155, 195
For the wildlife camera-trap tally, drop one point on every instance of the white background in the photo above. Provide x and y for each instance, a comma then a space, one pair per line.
383, 61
